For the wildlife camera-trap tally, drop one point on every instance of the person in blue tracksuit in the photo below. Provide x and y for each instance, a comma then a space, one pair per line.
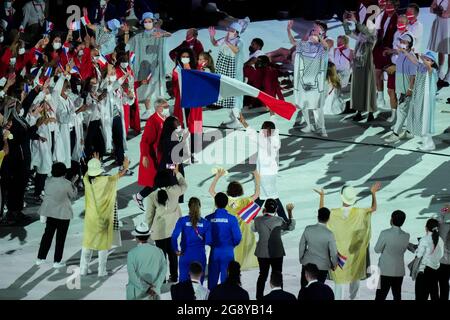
195, 234
225, 235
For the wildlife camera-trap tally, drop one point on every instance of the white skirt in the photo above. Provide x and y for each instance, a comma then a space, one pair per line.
268, 188
440, 36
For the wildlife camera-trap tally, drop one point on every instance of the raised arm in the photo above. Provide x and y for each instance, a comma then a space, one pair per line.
373, 190
289, 32
322, 197
212, 189
212, 34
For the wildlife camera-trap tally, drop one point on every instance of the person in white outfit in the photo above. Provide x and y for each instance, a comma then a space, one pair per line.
430, 250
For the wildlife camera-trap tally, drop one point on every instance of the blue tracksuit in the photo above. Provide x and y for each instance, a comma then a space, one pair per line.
225, 235
192, 243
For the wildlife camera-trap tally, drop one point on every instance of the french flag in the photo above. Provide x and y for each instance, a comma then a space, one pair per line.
34, 71
75, 26
249, 213
38, 54
48, 72
132, 57
85, 21
102, 61
341, 260
74, 70
49, 27
203, 88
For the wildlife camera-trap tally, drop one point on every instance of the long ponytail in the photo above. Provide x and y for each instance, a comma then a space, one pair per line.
433, 227
194, 211
162, 197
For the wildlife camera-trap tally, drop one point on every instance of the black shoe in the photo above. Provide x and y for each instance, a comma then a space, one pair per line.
370, 118
358, 117
442, 84
173, 279
21, 217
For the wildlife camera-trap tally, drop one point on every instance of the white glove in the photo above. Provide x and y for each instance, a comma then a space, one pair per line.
43, 219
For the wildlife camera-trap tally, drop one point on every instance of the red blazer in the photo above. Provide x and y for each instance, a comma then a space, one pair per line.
195, 119
270, 84
149, 148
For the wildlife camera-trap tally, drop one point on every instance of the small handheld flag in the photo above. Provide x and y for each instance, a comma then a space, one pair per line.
75, 26
248, 213
26, 88
74, 70
48, 27
341, 260
149, 76
85, 20
38, 54
102, 61
34, 71
132, 57
48, 72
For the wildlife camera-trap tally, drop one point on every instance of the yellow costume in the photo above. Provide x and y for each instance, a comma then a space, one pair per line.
2, 155
99, 215
244, 253
352, 235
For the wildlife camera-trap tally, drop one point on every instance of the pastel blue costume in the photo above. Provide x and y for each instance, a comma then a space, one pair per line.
226, 235
193, 241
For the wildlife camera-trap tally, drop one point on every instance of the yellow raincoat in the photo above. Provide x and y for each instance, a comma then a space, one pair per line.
99, 215
244, 253
352, 239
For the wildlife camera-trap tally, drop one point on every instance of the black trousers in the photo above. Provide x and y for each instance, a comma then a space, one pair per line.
388, 283
323, 274
117, 137
74, 165
280, 210
427, 285
94, 141
443, 279
145, 192
13, 184
39, 184
60, 227
264, 266
166, 246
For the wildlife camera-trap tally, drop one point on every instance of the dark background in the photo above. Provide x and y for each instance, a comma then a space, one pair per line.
178, 14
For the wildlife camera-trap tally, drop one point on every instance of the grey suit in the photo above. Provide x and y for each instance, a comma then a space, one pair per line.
392, 245
57, 202
318, 246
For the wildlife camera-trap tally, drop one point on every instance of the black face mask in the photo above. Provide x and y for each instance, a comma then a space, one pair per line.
251, 49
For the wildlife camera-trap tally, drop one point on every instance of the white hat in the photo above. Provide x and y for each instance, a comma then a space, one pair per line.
348, 195
94, 168
236, 26
141, 230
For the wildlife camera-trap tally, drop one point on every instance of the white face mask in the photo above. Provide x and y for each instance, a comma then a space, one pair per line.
185, 60
113, 78
148, 25
12, 61
22, 51
56, 45
124, 65
80, 52
78, 88
2, 38
165, 112
313, 39
403, 46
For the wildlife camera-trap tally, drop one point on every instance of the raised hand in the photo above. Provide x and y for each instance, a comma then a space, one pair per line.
321, 192
290, 207
290, 24
212, 31
375, 187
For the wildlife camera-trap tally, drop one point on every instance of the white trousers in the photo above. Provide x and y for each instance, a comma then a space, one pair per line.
402, 114
318, 117
86, 255
339, 289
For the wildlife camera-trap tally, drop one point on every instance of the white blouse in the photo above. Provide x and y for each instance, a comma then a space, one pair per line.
431, 255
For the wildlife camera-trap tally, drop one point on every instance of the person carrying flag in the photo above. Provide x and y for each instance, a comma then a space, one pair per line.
244, 252
269, 249
225, 236
352, 228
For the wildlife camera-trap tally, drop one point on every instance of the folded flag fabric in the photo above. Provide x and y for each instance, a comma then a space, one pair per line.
203, 88
248, 213
85, 20
341, 260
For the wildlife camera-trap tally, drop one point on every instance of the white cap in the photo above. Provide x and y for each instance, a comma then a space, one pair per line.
348, 195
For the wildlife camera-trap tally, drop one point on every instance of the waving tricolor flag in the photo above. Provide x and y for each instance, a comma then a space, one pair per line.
34, 71
341, 260
132, 57
49, 27
75, 26
38, 54
249, 212
203, 88
102, 62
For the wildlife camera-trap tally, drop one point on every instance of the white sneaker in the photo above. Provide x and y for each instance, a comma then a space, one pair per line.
85, 272
392, 117
40, 262
324, 135
427, 148
58, 265
441, 72
306, 130
406, 135
392, 138
102, 274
